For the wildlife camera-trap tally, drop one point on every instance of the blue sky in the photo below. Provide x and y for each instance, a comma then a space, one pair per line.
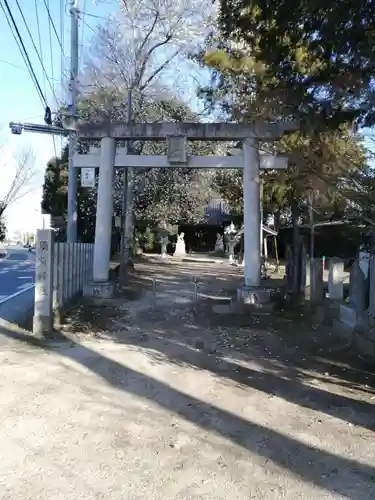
20, 101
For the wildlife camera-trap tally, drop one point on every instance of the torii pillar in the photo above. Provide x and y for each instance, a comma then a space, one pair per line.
251, 213
104, 211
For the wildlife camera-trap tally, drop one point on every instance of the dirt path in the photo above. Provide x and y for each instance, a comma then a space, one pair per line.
163, 399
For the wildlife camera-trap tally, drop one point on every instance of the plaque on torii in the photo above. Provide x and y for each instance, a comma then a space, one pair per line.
177, 150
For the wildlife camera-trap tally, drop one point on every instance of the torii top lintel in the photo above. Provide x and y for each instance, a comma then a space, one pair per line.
192, 131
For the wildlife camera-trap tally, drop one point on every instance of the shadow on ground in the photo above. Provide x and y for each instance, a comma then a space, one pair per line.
278, 355
312, 465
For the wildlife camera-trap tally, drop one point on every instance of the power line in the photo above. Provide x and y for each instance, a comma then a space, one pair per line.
90, 27
54, 146
17, 128
95, 16
22, 48
40, 57
4, 61
51, 56
35, 47
25, 56
39, 37
82, 12
50, 44
62, 37
53, 24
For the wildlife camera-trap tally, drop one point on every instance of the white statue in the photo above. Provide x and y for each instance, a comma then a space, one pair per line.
180, 246
219, 245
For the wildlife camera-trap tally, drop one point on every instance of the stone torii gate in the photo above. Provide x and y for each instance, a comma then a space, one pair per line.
107, 158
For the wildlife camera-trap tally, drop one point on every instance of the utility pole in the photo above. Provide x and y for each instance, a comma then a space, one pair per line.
67, 127
72, 110
126, 201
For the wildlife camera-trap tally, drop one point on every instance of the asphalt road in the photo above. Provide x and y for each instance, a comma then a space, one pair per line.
17, 271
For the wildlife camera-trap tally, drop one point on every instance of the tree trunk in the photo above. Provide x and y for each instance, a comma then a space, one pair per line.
276, 220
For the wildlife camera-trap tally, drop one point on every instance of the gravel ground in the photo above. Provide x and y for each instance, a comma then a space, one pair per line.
157, 397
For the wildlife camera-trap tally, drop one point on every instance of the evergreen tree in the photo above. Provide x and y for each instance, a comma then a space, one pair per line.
319, 157
55, 199
315, 57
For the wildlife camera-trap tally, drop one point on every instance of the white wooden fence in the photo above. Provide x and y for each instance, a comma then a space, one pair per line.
72, 268
61, 271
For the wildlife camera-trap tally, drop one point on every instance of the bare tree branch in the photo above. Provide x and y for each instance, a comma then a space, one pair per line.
135, 47
148, 34
146, 58
20, 184
159, 70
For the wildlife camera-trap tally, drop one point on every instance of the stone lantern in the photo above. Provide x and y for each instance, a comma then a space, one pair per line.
163, 235
231, 236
